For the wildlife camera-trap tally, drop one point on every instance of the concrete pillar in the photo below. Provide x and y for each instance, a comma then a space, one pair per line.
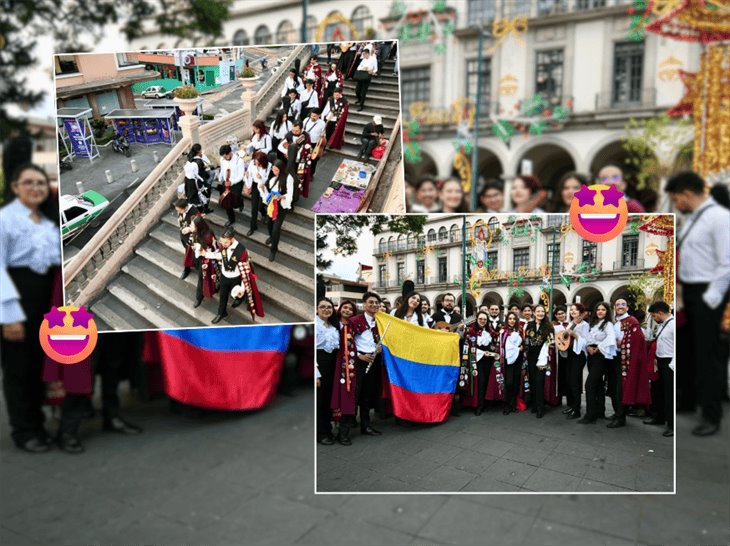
249, 95
189, 123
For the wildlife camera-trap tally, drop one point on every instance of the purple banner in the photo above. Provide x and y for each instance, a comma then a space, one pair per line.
75, 132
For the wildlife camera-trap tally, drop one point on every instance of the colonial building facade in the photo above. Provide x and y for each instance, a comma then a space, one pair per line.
518, 260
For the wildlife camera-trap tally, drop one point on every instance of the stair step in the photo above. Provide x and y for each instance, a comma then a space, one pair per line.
117, 316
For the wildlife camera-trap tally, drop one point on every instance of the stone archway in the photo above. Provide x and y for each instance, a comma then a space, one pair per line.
471, 306
489, 165
550, 162
492, 298
426, 167
589, 296
520, 300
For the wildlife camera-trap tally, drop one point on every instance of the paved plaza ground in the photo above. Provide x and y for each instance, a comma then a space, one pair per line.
248, 479
504, 453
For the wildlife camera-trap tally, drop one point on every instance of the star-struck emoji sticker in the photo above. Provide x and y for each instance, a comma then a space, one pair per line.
54, 317
585, 195
81, 317
611, 196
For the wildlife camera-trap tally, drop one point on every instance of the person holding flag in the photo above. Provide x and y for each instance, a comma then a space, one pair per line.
276, 194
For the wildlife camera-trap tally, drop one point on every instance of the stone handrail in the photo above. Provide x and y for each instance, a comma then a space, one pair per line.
370, 192
88, 273
215, 133
270, 93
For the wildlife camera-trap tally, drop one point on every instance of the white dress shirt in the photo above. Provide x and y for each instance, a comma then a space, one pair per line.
237, 166
281, 132
309, 99
314, 129
256, 175
23, 243
365, 343
413, 319
260, 144
328, 337
617, 328
704, 256
286, 198
604, 339
235, 274
295, 109
369, 65
580, 342
665, 340
292, 84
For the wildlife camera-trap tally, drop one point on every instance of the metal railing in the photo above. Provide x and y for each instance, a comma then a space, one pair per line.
270, 93
374, 181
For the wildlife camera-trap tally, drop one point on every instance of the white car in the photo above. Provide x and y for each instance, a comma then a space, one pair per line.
78, 210
155, 92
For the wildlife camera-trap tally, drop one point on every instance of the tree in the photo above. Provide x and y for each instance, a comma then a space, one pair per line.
347, 230
74, 25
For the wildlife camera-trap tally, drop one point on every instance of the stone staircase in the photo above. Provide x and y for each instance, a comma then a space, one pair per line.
148, 292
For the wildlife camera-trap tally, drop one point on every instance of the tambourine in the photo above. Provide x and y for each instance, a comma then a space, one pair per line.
238, 292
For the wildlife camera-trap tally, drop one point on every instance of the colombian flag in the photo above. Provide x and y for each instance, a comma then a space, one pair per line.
224, 368
422, 366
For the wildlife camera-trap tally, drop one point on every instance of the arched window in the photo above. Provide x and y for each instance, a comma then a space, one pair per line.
421, 240
391, 244
443, 234
410, 241
240, 38
431, 236
286, 34
262, 36
381, 246
493, 223
362, 19
401, 242
454, 234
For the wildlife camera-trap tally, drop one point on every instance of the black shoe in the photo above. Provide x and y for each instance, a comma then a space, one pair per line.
617, 423
272, 255
327, 440
506, 411
640, 412
668, 433
478, 411
540, 413
533, 409
267, 241
360, 108
653, 421
370, 431
237, 302
566, 411
70, 443
586, 421
35, 445
573, 415
117, 424
185, 273
218, 318
250, 232
197, 303
705, 429
344, 437
228, 224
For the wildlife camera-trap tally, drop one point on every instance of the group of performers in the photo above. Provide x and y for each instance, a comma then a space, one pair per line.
222, 264
517, 361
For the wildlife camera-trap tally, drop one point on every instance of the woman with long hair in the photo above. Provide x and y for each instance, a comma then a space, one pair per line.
510, 360
277, 195
570, 183
260, 139
601, 346
478, 340
526, 194
279, 128
256, 174
205, 248
578, 332
344, 386
451, 196
410, 309
328, 345
30, 252
333, 79
540, 357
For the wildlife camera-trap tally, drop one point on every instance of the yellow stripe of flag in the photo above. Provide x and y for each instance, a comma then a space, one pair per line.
418, 344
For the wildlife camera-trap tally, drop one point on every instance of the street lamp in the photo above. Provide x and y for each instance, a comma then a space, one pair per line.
305, 5
475, 148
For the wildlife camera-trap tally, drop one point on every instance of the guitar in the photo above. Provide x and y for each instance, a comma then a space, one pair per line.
227, 188
320, 147
563, 339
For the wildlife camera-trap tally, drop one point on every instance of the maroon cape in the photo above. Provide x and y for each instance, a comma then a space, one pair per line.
337, 139
551, 381
210, 267
344, 394
634, 368
468, 398
318, 76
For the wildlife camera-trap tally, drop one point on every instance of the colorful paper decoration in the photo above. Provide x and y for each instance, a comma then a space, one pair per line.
502, 28
694, 21
434, 25
663, 226
411, 138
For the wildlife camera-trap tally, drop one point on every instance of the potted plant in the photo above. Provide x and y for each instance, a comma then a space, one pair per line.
186, 98
249, 77
98, 126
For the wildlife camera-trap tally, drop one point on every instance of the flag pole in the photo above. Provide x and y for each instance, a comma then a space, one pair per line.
463, 266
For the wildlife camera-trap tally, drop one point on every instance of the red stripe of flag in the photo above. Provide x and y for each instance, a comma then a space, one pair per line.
418, 407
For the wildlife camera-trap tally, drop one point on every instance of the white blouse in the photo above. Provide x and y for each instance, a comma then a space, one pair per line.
286, 199
482, 339
580, 342
281, 132
413, 319
604, 339
256, 175
512, 347
328, 337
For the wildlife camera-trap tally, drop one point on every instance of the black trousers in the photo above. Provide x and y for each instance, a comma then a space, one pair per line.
361, 91
576, 362
704, 324
368, 144
562, 376
226, 285
615, 384
256, 203
483, 368
237, 190
22, 361
326, 364
512, 382
537, 382
367, 389
199, 287
662, 390
274, 227
595, 389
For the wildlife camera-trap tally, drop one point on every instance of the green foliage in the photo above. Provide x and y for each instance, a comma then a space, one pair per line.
98, 123
247, 72
642, 289
186, 92
660, 133
347, 229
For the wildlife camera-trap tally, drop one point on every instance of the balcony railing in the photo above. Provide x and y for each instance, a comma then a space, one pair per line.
645, 98
485, 11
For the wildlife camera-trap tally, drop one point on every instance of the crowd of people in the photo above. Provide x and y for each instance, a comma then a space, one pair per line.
527, 193
512, 360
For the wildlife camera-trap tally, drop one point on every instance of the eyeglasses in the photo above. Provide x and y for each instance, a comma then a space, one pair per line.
38, 183
612, 178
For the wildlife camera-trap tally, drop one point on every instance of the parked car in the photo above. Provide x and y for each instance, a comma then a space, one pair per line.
78, 210
155, 92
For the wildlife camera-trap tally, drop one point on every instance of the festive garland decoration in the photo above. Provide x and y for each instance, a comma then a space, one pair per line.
585, 272
502, 28
702, 21
333, 19
663, 226
411, 138
434, 25
534, 116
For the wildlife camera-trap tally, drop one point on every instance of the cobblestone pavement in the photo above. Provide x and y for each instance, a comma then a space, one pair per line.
494, 452
248, 478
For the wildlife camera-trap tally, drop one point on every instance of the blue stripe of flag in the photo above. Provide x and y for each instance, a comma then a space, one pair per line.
250, 338
420, 378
